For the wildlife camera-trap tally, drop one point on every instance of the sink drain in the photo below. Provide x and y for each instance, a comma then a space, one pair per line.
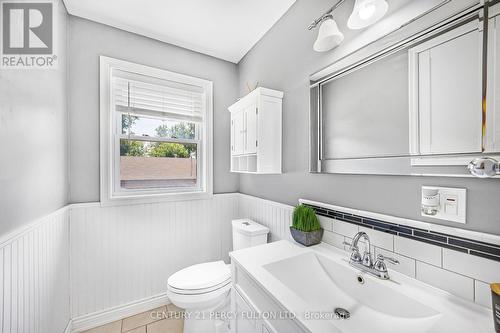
342, 313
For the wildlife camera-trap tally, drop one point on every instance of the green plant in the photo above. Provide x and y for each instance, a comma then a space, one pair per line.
304, 219
132, 148
169, 149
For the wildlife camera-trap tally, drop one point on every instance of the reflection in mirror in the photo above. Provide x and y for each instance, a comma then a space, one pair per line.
484, 167
413, 107
365, 113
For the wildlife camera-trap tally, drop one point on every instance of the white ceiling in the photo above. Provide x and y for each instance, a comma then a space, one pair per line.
225, 29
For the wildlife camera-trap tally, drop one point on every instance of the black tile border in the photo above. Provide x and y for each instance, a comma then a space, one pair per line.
465, 245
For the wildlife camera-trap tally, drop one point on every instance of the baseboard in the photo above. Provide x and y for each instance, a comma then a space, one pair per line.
116, 313
68, 328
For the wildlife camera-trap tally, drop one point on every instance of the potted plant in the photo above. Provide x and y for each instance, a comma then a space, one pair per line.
305, 228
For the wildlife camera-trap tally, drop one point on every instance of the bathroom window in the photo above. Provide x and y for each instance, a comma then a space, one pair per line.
156, 135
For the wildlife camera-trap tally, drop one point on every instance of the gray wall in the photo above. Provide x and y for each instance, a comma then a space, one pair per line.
283, 60
88, 40
33, 125
33, 133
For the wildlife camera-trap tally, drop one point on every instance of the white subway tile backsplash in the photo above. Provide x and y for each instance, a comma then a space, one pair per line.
361, 245
348, 240
406, 265
401, 223
326, 223
482, 293
473, 266
334, 239
454, 283
344, 228
418, 250
379, 239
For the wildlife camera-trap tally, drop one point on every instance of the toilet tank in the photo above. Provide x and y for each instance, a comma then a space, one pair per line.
247, 233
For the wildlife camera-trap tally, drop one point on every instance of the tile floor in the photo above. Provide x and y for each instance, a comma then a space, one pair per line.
165, 319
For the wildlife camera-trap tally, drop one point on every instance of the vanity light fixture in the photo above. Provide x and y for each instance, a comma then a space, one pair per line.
484, 167
329, 35
365, 13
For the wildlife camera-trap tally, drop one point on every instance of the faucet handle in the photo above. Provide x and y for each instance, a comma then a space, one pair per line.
355, 255
393, 261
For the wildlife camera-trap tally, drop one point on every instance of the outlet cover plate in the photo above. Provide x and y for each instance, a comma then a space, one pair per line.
446, 197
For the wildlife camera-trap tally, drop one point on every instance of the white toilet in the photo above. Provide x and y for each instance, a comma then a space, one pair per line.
203, 289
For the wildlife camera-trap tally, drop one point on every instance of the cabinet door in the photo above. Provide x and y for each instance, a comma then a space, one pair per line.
243, 322
267, 329
447, 77
232, 134
238, 123
251, 129
493, 94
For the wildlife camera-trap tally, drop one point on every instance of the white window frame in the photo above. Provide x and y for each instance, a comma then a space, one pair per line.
109, 163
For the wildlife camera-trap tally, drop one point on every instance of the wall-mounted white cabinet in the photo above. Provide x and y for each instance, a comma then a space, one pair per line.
256, 132
446, 93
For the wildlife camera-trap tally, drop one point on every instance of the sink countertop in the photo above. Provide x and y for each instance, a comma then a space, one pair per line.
455, 314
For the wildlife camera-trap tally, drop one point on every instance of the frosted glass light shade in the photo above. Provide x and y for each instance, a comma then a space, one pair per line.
366, 12
329, 36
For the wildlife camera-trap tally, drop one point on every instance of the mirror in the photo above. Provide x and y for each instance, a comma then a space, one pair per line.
363, 112
415, 107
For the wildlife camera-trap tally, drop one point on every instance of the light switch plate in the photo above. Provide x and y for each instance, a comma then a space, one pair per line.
452, 204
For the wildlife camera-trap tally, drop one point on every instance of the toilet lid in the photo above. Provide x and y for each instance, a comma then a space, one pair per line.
200, 276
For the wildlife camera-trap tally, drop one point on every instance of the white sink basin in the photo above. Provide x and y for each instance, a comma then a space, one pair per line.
325, 284
312, 282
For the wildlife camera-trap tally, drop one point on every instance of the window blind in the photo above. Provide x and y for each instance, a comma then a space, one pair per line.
142, 95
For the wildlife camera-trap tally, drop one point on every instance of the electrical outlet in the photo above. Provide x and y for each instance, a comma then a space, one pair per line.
450, 206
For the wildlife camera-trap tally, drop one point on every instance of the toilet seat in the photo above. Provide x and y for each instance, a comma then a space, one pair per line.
205, 301
200, 279
199, 291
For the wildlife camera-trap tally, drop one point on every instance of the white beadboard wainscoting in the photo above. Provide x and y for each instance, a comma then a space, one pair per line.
276, 216
34, 281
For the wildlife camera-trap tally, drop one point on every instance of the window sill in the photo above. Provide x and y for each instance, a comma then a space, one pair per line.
155, 198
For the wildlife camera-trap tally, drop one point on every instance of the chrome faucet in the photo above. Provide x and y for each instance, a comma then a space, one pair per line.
366, 258
365, 262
